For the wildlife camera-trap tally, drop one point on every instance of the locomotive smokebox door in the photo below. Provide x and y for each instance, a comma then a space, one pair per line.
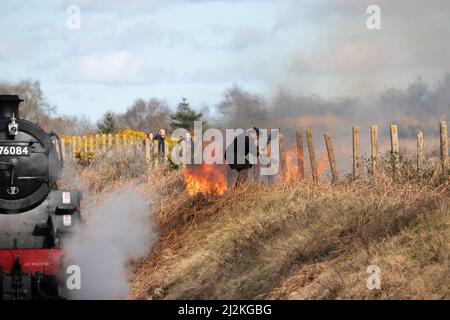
29, 163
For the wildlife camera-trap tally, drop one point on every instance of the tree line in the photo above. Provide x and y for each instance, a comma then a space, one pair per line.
150, 116
416, 106
142, 115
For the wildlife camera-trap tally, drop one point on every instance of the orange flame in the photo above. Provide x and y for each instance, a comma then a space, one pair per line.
323, 164
291, 172
207, 179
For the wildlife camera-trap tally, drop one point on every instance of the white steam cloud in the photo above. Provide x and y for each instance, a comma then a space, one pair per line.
118, 230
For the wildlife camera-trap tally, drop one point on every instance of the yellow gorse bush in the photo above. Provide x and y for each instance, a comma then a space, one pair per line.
138, 135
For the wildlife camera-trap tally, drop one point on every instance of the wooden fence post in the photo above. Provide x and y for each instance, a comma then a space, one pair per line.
85, 144
97, 142
80, 144
104, 142
264, 155
63, 149
110, 141
130, 142
395, 150
374, 148
300, 155
356, 153
69, 147
91, 144
444, 145
254, 171
117, 142
331, 156
124, 141
74, 146
147, 150
155, 154
283, 157
312, 154
257, 166
420, 152
166, 150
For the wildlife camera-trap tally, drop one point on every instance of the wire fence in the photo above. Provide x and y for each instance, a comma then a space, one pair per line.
340, 154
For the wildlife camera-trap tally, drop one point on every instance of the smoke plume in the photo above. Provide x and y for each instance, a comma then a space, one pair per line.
117, 231
291, 110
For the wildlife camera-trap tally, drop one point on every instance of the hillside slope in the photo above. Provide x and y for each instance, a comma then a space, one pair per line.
295, 241
300, 242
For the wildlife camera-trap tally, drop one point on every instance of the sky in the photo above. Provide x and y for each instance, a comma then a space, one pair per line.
196, 49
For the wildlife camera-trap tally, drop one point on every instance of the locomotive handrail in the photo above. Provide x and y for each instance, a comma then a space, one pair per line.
61, 157
17, 142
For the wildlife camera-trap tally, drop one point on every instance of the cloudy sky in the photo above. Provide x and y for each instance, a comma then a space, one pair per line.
198, 48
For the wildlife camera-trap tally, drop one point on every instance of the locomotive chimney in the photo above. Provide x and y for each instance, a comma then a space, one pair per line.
9, 106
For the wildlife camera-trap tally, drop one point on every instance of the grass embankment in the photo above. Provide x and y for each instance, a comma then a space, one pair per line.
301, 242
297, 241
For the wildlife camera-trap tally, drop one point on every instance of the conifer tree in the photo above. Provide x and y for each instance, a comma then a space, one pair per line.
108, 123
185, 116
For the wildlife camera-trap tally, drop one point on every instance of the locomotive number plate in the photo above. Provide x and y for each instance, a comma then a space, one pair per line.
15, 150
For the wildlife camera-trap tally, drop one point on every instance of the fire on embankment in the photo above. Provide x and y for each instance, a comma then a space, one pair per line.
208, 179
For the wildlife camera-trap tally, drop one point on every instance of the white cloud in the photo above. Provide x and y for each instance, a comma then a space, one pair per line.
112, 67
197, 48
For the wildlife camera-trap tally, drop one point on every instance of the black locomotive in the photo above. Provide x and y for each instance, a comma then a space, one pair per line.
35, 217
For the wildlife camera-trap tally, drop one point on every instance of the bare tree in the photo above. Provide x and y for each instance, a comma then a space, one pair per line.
146, 116
241, 109
35, 107
70, 125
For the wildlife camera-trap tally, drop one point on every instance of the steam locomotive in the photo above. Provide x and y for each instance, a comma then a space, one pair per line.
35, 217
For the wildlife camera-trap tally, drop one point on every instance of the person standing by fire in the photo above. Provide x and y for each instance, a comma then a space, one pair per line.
242, 152
160, 137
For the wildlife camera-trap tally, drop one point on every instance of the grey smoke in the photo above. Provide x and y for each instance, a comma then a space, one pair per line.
289, 109
117, 231
417, 106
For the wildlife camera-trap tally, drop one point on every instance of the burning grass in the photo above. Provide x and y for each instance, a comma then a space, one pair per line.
291, 172
206, 179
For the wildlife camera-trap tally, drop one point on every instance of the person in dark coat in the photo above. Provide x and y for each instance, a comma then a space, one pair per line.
160, 136
243, 168
150, 137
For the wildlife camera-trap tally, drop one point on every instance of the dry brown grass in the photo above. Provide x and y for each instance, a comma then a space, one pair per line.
301, 241
297, 241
